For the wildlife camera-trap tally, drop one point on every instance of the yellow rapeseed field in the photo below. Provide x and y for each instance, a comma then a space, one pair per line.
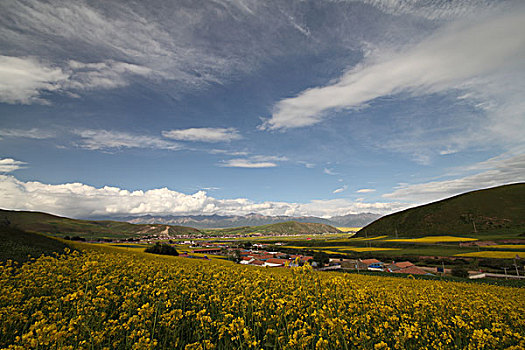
348, 229
494, 254
371, 238
109, 298
433, 239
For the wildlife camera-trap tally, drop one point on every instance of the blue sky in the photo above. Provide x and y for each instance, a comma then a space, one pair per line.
323, 108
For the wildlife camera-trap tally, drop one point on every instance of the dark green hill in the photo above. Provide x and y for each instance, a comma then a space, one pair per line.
283, 228
60, 226
494, 210
18, 245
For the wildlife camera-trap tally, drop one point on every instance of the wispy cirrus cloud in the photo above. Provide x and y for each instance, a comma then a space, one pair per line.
366, 190
203, 134
107, 140
33, 133
22, 80
330, 172
258, 161
433, 10
493, 172
481, 61
28, 80
445, 60
340, 189
8, 165
108, 74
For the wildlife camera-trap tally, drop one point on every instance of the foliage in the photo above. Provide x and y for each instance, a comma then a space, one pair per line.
321, 258
109, 298
459, 271
162, 249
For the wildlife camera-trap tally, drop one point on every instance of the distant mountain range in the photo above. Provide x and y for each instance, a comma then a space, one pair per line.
220, 221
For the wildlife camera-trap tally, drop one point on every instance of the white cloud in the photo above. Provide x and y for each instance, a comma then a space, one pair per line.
498, 171
340, 189
27, 80
80, 200
23, 80
329, 172
366, 190
105, 139
453, 58
246, 163
33, 133
269, 158
258, 161
306, 164
108, 74
228, 152
8, 165
203, 134
437, 9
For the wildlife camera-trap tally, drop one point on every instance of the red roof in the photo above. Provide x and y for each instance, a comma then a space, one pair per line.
277, 261
257, 262
404, 264
370, 261
411, 270
306, 258
245, 258
262, 256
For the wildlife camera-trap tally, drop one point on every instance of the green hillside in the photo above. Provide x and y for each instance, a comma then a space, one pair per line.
498, 210
283, 228
60, 226
18, 245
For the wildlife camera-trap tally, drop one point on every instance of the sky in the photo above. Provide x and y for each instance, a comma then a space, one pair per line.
279, 107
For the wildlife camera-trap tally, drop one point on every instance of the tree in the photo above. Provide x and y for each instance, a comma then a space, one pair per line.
459, 271
321, 258
163, 249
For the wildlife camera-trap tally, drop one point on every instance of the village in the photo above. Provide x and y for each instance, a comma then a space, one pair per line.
262, 258
257, 256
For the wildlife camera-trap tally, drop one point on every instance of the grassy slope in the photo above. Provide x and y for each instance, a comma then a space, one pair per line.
289, 227
17, 245
60, 226
492, 211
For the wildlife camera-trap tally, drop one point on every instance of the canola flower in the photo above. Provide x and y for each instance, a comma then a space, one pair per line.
107, 298
433, 239
494, 254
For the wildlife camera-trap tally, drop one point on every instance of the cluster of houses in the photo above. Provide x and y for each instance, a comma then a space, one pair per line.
405, 267
278, 259
273, 259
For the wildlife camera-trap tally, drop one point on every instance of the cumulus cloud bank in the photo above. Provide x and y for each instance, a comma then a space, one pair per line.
80, 200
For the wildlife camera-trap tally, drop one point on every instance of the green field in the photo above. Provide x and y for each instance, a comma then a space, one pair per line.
21, 246
497, 211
